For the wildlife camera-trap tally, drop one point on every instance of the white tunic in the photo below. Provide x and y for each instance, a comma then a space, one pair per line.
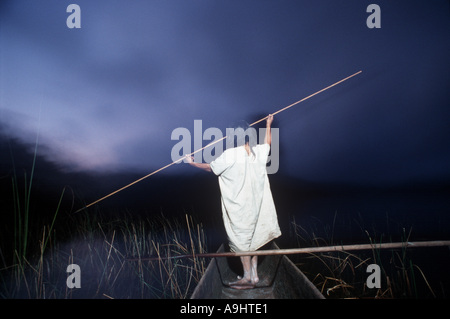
248, 209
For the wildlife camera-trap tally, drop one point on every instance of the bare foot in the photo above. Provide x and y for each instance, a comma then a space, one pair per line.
250, 278
242, 283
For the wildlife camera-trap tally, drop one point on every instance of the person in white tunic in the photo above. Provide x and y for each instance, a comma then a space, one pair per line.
248, 209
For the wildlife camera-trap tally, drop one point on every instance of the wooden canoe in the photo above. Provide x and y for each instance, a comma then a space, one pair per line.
279, 279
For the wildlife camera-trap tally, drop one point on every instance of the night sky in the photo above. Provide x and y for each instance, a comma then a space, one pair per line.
106, 97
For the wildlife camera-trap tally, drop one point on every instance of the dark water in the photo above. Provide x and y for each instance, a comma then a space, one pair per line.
359, 217
382, 214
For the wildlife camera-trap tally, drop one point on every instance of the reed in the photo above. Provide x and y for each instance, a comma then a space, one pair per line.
35, 253
342, 274
100, 245
16, 258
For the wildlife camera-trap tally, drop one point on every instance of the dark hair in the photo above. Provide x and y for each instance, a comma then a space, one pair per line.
241, 127
243, 134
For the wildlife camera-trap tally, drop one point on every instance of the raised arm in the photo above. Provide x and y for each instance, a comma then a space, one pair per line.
268, 137
203, 166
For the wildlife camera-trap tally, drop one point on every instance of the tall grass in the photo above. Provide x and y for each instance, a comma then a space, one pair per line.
36, 252
100, 246
343, 274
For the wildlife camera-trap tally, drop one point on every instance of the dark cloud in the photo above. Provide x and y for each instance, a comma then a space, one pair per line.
108, 95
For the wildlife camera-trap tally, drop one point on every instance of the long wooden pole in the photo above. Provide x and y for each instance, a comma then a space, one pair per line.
309, 96
306, 250
214, 142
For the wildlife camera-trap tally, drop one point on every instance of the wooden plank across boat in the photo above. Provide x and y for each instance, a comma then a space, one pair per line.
279, 279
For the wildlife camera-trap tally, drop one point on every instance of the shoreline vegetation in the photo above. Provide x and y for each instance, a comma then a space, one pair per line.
100, 248
37, 268
36, 248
